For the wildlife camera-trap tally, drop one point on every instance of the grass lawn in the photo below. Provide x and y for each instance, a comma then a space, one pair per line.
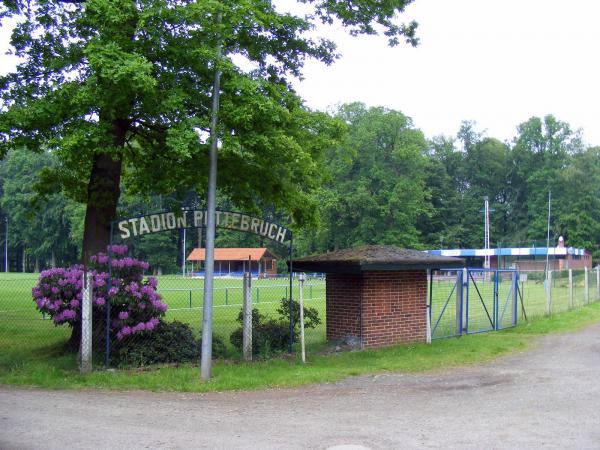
31, 347
49, 368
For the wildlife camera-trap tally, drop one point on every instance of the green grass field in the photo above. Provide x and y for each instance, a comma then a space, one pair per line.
25, 334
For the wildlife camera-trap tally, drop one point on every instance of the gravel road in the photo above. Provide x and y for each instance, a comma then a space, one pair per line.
547, 397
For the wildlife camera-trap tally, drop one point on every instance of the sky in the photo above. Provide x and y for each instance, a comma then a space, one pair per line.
494, 62
497, 63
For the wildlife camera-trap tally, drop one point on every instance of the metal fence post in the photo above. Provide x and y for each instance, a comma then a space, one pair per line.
190, 299
515, 288
587, 285
598, 282
464, 288
227, 296
459, 303
86, 324
247, 316
301, 301
549, 293
571, 303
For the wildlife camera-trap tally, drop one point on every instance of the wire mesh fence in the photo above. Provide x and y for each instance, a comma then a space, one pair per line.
24, 330
475, 300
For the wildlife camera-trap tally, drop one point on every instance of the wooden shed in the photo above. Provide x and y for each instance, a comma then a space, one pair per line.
235, 261
377, 294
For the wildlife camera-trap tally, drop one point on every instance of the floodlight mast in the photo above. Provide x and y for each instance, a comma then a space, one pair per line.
486, 233
206, 356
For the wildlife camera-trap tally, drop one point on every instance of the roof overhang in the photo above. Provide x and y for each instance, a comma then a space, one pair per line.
374, 258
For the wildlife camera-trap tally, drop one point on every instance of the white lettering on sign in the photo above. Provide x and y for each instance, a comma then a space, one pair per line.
154, 223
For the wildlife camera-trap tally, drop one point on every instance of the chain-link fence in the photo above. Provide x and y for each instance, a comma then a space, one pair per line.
475, 300
26, 331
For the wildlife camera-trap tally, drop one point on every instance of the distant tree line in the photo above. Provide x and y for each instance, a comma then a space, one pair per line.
382, 182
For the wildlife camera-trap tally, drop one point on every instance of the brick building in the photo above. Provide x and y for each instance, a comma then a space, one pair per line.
376, 294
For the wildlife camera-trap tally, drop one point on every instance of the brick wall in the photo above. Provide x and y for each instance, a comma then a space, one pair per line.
393, 307
343, 305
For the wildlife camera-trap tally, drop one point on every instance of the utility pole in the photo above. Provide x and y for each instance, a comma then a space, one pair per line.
486, 232
183, 254
6, 246
548, 233
207, 310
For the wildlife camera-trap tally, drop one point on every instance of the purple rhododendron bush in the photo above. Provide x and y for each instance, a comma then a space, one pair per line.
135, 306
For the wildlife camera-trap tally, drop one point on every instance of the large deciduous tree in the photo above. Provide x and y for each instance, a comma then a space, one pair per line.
377, 191
116, 87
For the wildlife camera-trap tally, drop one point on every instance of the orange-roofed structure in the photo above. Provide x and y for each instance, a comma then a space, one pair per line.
235, 261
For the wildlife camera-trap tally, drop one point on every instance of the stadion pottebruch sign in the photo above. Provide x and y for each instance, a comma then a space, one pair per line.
164, 221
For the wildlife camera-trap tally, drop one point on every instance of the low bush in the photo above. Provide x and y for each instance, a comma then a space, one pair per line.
273, 335
169, 342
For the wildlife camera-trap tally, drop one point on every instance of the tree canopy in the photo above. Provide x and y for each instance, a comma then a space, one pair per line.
115, 89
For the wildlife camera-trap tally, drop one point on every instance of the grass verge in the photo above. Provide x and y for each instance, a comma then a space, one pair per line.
48, 368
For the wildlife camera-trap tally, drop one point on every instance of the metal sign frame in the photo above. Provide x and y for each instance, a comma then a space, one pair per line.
168, 220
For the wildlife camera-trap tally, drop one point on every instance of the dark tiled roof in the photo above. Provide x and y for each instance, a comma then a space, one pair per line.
374, 257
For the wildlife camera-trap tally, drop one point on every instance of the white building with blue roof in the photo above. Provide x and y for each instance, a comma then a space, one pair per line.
524, 258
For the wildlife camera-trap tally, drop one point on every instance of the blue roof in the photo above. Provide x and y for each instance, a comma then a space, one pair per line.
520, 251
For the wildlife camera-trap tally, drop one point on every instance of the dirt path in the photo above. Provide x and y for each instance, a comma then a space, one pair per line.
548, 397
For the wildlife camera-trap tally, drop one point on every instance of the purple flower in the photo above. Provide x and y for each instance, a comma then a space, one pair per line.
123, 315
69, 314
113, 291
119, 249
152, 282
126, 331
100, 301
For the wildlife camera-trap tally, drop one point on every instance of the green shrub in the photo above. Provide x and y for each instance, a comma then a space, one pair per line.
273, 335
169, 342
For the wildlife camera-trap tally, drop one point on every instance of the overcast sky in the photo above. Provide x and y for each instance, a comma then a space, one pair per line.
495, 62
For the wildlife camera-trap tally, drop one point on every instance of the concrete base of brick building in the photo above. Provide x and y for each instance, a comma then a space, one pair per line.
378, 308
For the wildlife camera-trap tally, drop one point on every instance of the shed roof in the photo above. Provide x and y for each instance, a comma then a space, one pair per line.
232, 254
374, 257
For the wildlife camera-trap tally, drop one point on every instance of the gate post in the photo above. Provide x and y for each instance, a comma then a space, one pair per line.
459, 303
301, 302
86, 324
598, 282
247, 317
464, 287
549, 293
496, 312
515, 289
571, 304
587, 285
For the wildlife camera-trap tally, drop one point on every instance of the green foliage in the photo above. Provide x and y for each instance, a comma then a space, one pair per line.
376, 191
273, 335
115, 89
41, 228
168, 343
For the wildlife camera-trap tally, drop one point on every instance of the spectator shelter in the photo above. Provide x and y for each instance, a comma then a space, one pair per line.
376, 294
524, 258
235, 261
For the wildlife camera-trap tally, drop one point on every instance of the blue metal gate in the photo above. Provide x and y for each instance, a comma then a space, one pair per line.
468, 301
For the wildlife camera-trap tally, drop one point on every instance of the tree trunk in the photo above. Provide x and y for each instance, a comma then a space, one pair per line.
36, 268
24, 260
102, 199
103, 196
52, 259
